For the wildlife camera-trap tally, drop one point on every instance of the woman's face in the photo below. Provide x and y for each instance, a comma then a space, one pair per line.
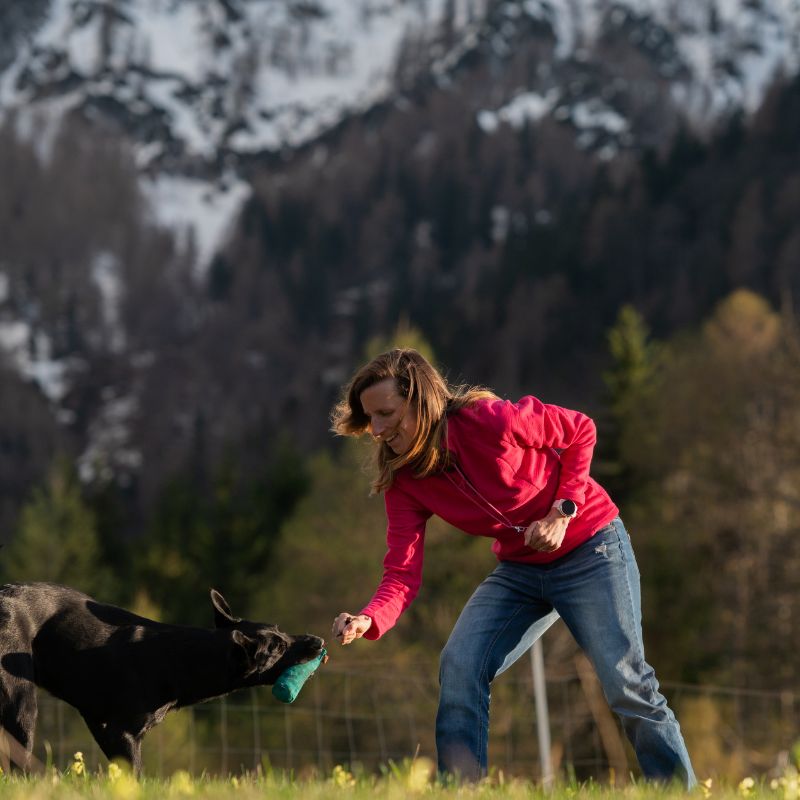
391, 420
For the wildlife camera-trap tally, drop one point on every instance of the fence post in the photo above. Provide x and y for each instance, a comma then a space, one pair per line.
351, 742
60, 724
379, 725
542, 713
223, 712
256, 728
192, 740
318, 721
287, 730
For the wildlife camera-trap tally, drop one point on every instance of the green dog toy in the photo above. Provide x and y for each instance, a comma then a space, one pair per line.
291, 681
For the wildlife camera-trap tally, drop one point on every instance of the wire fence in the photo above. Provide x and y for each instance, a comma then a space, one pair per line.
367, 717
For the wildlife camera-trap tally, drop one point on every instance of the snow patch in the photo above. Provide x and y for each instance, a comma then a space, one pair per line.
733, 49
40, 123
501, 219
595, 114
109, 454
525, 107
31, 355
198, 212
107, 277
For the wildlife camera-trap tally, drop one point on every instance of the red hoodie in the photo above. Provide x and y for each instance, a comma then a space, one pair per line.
515, 457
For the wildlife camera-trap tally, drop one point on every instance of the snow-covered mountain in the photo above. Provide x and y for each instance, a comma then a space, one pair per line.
206, 78
197, 84
200, 84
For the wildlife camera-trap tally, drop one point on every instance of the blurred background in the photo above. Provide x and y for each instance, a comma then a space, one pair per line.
213, 211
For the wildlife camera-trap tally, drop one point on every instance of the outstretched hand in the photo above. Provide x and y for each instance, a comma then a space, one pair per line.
348, 627
546, 535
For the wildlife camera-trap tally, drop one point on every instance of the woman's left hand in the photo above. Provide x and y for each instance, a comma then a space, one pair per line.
546, 535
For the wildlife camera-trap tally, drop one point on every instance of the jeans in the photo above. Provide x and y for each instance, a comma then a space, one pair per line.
595, 590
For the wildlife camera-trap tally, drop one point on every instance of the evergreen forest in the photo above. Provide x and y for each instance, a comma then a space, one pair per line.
655, 292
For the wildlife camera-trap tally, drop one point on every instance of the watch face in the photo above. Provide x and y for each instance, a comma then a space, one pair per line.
568, 507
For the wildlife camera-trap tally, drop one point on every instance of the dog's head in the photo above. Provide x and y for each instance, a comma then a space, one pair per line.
265, 651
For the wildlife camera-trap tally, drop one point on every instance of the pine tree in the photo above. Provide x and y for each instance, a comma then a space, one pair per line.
405, 335
633, 358
218, 533
629, 381
57, 538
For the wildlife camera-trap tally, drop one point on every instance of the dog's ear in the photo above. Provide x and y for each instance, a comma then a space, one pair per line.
249, 647
223, 618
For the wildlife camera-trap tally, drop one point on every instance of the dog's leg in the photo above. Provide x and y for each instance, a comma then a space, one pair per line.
18, 710
117, 743
136, 755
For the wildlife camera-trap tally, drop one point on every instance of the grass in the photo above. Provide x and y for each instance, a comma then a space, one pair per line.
411, 779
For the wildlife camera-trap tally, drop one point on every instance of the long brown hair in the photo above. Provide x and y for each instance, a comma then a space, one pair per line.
426, 391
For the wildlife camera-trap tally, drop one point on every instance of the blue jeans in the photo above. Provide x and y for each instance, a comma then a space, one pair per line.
595, 590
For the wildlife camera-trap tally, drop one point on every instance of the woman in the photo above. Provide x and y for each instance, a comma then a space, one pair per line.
519, 473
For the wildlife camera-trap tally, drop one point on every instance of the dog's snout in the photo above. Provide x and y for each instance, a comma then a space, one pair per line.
309, 639
310, 643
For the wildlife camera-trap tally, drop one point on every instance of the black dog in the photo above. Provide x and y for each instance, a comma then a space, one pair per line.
121, 671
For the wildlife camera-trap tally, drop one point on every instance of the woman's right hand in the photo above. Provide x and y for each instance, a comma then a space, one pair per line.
349, 627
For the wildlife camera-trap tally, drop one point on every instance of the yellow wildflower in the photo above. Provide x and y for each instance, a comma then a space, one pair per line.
124, 785
705, 787
419, 774
746, 787
78, 765
342, 778
790, 785
181, 783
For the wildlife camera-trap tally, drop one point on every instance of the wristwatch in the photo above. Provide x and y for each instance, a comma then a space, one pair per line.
567, 508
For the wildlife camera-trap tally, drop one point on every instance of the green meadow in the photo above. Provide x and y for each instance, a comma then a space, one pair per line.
413, 778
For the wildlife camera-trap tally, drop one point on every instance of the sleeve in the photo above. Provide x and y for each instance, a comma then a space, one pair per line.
402, 566
571, 433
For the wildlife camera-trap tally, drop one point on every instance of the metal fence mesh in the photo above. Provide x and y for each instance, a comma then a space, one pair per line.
369, 716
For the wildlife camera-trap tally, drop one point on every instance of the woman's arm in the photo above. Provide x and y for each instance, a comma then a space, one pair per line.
571, 433
402, 571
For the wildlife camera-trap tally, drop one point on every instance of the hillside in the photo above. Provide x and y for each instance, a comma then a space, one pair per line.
204, 221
